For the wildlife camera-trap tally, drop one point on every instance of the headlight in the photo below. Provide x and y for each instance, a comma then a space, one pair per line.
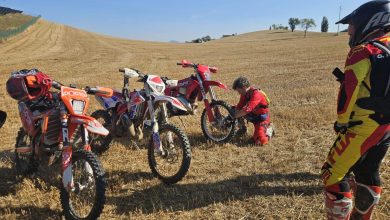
160, 89
78, 106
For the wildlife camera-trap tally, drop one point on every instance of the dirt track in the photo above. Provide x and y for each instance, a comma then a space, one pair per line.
225, 181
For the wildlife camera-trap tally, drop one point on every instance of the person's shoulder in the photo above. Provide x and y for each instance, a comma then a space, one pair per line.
364, 51
358, 53
258, 92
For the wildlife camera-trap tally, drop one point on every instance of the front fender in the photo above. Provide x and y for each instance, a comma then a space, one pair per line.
207, 84
90, 123
174, 101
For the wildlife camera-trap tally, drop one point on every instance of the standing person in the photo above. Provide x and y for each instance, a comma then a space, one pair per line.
363, 122
253, 106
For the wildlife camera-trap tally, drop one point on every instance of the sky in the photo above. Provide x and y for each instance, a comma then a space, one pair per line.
181, 20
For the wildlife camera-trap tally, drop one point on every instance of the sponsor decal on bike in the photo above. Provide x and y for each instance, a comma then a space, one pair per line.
183, 83
75, 93
156, 79
66, 158
156, 141
65, 137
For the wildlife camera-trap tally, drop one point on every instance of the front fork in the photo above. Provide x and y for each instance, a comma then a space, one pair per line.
87, 147
164, 113
67, 171
164, 116
67, 175
155, 134
210, 114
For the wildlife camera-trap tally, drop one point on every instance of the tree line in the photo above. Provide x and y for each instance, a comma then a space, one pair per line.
305, 24
293, 23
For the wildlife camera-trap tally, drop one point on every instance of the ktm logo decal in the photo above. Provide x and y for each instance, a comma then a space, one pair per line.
75, 93
378, 18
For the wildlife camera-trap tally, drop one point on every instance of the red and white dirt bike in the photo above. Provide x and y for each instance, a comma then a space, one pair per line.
55, 131
214, 119
133, 113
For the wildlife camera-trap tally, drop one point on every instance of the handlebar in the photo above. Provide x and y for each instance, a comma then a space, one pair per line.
186, 64
89, 90
93, 90
57, 85
140, 74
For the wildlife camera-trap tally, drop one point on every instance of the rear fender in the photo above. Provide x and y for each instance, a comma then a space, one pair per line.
174, 101
91, 124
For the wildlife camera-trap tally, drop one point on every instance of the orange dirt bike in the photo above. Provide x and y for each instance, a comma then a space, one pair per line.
133, 113
55, 131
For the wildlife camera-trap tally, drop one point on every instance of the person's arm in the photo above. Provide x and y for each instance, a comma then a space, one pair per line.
241, 103
240, 113
356, 69
255, 100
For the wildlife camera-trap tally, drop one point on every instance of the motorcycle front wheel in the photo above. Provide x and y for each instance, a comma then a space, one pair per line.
220, 130
172, 163
86, 199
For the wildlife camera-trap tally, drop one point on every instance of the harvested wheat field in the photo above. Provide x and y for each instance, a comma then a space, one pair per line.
230, 181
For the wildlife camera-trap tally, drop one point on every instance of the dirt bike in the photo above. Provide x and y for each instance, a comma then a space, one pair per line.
3, 117
49, 134
214, 123
134, 112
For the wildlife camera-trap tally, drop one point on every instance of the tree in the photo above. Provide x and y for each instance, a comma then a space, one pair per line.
307, 23
324, 24
278, 27
293, 22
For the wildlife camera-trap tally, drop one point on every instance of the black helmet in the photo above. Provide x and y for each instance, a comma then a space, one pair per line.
368, 19
241, 82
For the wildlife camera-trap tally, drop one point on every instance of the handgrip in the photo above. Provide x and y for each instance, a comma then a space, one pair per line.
338, 74
122, 70
56, 85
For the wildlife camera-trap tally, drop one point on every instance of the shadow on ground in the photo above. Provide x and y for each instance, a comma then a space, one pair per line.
30, 212
191, 196
7, 174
